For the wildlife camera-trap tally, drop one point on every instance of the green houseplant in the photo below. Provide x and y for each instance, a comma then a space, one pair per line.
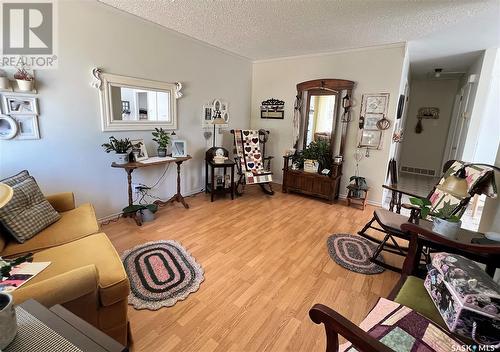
444, 221
120, 146
317, 150
163, 139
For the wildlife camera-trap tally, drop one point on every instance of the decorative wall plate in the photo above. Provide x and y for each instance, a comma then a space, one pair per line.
8, 127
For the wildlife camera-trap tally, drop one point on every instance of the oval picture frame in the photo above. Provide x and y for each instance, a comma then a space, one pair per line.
217, 105
8, 127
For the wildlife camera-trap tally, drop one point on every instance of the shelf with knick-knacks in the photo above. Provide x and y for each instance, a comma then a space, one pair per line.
23, 82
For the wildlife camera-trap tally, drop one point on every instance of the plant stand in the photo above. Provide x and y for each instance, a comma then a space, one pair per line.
351, 198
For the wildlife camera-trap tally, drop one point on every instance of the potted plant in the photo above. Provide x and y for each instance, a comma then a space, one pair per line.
146, 211
25, 80
318, 150
444, 221
163, 139
120, 146
4, 81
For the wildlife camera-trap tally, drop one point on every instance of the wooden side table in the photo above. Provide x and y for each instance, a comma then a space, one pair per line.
130, 167
210, 186
57, 329
357, 200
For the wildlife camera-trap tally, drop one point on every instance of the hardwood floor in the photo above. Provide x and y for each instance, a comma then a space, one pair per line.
266, 263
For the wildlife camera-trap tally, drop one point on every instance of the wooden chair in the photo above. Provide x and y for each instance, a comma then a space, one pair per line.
252, 165
389, 221
408, 291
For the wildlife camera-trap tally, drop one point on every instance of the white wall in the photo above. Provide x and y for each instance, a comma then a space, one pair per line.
483, 134
466, 152
69, 156
425, 150
374, 70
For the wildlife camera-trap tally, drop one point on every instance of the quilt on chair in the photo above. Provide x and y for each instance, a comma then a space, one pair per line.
404, 330
476, 174
251, 158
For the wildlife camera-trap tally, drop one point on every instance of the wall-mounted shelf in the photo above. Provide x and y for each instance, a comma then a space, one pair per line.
20, 92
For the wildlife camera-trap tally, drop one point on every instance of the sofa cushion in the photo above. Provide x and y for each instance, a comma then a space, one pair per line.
73, 225
95, 249
28, 212
414, 295
14, 180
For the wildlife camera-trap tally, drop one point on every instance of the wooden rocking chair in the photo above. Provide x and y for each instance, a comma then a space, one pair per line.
481, 180
252, 165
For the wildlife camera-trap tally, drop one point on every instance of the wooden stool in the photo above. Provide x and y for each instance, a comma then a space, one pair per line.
357, 200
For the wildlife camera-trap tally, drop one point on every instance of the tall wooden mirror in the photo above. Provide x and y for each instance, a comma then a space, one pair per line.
324, 112
322, 115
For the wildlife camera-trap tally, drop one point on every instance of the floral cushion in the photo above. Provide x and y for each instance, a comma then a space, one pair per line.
475, 175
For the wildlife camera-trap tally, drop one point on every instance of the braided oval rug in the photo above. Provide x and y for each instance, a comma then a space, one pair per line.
353, 253
160, 273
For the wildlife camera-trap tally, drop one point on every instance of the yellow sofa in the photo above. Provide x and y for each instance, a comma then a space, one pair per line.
86, 274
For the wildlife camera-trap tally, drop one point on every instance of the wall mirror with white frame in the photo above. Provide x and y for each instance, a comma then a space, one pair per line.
134, 104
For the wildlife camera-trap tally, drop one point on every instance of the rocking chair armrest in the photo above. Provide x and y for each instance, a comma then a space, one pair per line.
336, 324
395, 189
409, 206
269, 157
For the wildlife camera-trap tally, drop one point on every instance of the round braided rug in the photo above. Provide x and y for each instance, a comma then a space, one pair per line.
160, 273
353, 253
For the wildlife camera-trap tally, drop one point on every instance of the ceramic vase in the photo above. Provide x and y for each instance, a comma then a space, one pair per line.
25, 86
448, 229
162, 152
4, 83
8, 321
121, 158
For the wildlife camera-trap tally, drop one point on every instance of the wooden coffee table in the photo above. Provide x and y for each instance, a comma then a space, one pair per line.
56, 328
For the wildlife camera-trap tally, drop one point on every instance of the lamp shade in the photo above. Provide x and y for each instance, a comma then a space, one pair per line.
218, 121
6, 193
456, 186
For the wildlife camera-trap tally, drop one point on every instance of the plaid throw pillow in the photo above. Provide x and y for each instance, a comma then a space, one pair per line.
28, 212
14, 180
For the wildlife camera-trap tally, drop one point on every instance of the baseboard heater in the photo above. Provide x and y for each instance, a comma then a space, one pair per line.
418, 171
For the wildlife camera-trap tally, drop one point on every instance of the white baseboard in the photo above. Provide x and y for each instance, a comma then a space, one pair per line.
116, 215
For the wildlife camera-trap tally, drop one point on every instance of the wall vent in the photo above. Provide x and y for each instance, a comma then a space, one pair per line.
418, 171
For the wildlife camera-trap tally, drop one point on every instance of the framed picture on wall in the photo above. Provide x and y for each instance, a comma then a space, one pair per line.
27, 127
371, 122
16, 105
370, 139
376, 103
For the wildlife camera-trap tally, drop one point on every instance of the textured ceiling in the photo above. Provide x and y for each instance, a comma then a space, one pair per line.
259, 29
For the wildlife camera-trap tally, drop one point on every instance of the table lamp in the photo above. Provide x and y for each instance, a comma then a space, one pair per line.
8, 321
456, 184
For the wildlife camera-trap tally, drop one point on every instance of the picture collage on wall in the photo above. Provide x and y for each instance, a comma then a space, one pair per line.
19, 106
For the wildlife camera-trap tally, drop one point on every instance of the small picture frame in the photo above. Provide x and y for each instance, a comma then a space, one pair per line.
206, 116
179, 148
217, 105
20, 105
27, 127
370, 139
139, 149
371, 122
